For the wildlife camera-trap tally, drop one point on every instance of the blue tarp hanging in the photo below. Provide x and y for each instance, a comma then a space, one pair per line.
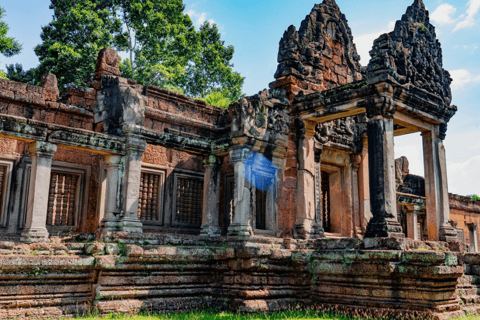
263, 171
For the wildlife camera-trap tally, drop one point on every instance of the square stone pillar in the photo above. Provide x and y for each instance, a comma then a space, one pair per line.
242, 195
412, 222
436, 188
472, 227
37, 207
113, 193
129, 221
306, 226
381, 166
211, 198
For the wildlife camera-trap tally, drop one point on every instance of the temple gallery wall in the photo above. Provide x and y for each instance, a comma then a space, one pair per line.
123, 197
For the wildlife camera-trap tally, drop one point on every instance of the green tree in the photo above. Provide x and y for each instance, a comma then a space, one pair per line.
475, 197
211, 69
71, 42
8, 46
158, 36
16, 73
218, 99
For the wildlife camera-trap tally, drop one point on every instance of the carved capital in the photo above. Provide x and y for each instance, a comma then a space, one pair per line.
42, 149
135, 144
381, 106
113, 161
240, 155
443, 131
211, 161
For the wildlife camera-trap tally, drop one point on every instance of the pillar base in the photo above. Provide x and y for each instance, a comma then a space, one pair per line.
448, 233
35, 235
125, 225
308, 230
384, 228
210, 231
235, 230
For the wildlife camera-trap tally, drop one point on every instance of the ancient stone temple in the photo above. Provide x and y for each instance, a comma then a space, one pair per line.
123, 197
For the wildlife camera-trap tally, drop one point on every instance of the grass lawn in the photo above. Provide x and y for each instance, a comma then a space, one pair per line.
295, 315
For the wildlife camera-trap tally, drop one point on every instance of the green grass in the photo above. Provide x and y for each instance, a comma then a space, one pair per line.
294, 315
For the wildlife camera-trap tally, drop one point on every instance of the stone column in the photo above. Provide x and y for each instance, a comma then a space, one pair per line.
35, 227
381, 165
436, 188
129, 221
113, 194
211, 198
306, 226
356, 159
472, 227
242, 195
412, 222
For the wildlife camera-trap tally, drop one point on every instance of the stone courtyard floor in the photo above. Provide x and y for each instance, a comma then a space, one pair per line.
294, 315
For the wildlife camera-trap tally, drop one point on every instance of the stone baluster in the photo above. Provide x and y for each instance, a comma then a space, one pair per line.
412, 222
242, 196
37, 208
211, 198
381, 165
436, 187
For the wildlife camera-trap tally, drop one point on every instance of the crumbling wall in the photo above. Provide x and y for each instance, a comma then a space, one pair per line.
465, 212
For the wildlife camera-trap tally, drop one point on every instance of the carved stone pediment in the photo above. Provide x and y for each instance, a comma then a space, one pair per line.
412, 54
262, 117
321, 52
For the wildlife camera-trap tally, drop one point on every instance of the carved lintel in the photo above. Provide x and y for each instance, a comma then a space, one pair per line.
22, 129
87, 140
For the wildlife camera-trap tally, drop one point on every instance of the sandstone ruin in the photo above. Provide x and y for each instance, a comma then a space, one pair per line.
121, 197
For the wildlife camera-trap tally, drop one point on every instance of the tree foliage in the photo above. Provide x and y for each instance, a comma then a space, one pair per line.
475, 197
210, 70
16, 73
8, 46
71, 42
218, 99
158, 36
164, 48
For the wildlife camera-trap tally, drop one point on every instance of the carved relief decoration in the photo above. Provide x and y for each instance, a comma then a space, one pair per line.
345, 133
263, 116
412, 54
322, 51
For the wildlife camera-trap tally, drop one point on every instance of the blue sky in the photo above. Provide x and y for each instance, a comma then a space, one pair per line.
254, 28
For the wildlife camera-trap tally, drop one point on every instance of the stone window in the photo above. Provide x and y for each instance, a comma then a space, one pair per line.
188, 200
63, 199
67, 199
5, 181
150, 200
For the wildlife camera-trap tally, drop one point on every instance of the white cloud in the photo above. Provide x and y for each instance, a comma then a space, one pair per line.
462, 77
199, 18
202, 18
364, 42
460, 175
473, 7
443, 14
